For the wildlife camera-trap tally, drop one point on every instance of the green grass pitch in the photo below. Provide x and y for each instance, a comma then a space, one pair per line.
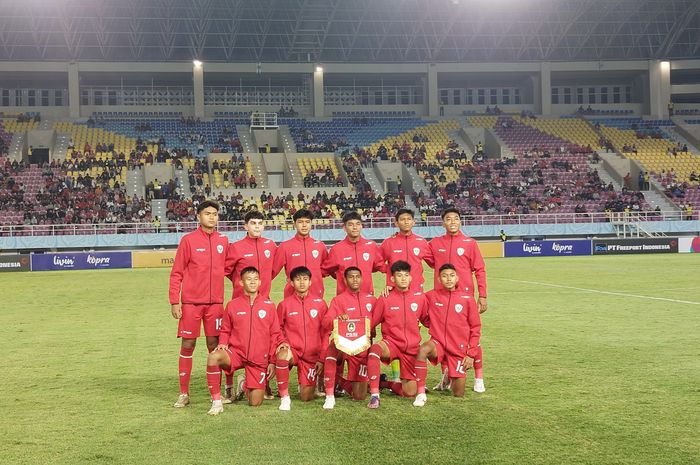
89, 374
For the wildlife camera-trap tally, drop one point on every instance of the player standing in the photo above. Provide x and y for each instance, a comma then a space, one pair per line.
196, 289
352, 303
399, 314
406, 246
250, 339
455, 330
300, 316
461, 251
302, 250
353, 251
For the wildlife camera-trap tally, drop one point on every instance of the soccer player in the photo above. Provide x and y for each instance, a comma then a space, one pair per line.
463, 253
399, 314
300, 316
455, 329
353, 251
253, 250
352, 303
302, 250
250, 339
196, 290
406, 246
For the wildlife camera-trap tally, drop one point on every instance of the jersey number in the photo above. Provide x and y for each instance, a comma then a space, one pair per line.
460, 367
218, 323
262, 377
362, 371
312, 374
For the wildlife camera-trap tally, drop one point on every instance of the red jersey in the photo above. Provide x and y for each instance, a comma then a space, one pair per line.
463, 252
197, 276
301, 322
301, 251
412, 249
355, 304
260, 253
399, 314
454, 321
364, 254
252, 329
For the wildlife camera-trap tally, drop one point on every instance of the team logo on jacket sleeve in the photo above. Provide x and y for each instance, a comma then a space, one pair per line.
460, 251
262, 314
416, 251
365, 256
313, 313
220, 248
314, 253
458, 308
414, 307
267, 254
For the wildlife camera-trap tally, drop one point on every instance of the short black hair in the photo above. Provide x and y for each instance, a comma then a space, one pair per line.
299, 271
303, 213
207, 204
447, 266
446, 211
352, 215
249, 269
400, 266
349, 269
404, 211
253, 215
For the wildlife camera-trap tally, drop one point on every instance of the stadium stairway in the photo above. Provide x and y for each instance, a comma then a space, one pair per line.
136, 183
159, 208
675, 135
288, 144
417, 181
373, 180
17, 146
183, 182
245, 138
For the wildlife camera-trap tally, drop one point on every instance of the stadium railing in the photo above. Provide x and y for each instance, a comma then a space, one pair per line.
386, 222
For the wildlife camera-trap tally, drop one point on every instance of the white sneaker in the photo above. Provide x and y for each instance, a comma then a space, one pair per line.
240, 391
329, 404
183, 400
285, 403
479, 385
216, 408
420, 401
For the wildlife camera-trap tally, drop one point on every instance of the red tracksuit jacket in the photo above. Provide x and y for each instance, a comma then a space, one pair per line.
301, 322
463, 252
252, 329
399, 314
364, 254
197, 276
356, 305
412, 249
301, 251
454, 321
259, 253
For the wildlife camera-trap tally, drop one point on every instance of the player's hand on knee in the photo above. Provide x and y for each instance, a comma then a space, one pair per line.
270, 371
468, 362
176, 310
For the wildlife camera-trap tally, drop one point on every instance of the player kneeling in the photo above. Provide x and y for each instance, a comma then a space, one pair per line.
455, 329
250, 338
300, 317
398, 313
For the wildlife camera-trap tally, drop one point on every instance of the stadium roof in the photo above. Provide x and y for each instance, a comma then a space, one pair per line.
349, 30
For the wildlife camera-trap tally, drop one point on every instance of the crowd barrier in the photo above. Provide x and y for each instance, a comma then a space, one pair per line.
545, 248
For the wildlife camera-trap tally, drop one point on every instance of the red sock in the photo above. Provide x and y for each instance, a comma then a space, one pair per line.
282, 373
479, 365
421, 368
329, 369
214, 381
229, 380
374, 369
185, 366
396, 388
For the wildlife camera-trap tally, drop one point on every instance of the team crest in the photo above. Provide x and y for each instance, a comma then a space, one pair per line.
220, 248
267, 254
262, 314
313, 313
458, 308
365, 256
314, 253
368, 307
460, 251
351, 327
414, 307
416, 251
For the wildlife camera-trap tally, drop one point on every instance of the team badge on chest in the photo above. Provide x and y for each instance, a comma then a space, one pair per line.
262, 314
459, 308
313, 313
220, 248
416, 251
314, 253
414, 307
267, 254
460, 251
368, 307
365, 256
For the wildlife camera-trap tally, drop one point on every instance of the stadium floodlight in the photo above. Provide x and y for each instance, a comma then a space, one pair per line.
319, 69
665, 65
197, 63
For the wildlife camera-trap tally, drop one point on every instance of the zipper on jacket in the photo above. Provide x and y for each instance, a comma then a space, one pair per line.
303, 319
250, 329
405, 337
211, 265
447, 314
